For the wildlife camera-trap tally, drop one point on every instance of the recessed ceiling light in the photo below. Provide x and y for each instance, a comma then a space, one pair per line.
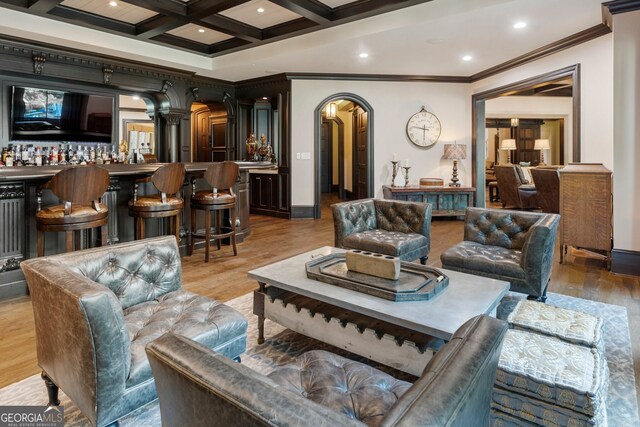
467, 58
201, 30
519, 25
260, 10
136, 97
265, 98
364, 55
113, 3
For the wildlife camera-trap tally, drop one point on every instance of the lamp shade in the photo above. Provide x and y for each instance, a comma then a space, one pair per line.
541, 144
455, 151
515, 122
508, 144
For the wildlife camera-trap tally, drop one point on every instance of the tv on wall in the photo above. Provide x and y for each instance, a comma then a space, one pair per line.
54, 116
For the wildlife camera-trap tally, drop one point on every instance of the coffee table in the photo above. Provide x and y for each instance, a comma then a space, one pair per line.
403, 335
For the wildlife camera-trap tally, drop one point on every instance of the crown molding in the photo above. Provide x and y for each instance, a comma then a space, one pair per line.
378, 77
621, 6
562, 44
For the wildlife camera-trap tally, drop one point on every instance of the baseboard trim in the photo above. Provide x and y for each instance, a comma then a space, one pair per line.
301, 212
625, 262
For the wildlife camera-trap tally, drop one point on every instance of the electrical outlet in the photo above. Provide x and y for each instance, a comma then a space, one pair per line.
306, 156
298, 156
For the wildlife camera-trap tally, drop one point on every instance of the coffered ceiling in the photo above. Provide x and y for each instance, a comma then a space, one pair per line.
208, 27
231, 40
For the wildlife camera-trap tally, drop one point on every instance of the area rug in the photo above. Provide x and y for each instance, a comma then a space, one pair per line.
281, 346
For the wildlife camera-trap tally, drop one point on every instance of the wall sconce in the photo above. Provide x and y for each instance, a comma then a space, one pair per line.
455, 152
515, 122
541, 144
508, 144
331, 110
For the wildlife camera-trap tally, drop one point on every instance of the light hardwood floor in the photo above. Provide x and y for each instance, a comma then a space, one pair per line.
225, 277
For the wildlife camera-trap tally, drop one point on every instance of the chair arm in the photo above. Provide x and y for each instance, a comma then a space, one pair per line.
81, 338
198, 387
352, 217
538, 249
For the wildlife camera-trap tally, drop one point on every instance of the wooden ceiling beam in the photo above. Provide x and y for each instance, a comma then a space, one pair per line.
42, 6
310, 9
204, 8
156, 25
164, 7
93, 21
232, 27
366, 8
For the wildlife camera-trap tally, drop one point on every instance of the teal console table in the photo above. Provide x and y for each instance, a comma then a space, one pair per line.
445, 201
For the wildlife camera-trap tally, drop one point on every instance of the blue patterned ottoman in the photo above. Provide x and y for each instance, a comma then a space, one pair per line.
571, 326
552, 370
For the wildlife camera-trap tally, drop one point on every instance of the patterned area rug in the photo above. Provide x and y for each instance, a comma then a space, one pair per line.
281, 346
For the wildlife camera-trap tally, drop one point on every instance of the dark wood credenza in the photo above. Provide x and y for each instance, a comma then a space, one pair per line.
445, 201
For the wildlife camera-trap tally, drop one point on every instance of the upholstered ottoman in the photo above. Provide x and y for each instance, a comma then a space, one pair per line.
546, 381
572, 326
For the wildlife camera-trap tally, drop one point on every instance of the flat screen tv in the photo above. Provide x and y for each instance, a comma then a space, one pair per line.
54, 115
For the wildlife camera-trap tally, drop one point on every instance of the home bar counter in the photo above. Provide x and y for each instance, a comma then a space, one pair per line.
19, 197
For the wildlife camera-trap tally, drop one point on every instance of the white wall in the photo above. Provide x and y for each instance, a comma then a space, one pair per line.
537, 107
393, 103
596, 90
626, 161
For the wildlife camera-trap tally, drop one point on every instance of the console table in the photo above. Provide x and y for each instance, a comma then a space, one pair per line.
445, 201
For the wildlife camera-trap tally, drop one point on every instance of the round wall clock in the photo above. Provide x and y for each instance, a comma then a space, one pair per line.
423, 128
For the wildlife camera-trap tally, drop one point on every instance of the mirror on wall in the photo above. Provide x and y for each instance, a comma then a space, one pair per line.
137, 131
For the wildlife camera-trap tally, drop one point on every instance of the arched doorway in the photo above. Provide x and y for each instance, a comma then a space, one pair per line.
356, 157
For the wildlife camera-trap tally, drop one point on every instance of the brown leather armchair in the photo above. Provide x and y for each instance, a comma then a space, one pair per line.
547, 183
515, 191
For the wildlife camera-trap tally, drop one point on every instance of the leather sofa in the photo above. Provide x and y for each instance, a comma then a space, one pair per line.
515, 246
95, 310
391, 227
197, 387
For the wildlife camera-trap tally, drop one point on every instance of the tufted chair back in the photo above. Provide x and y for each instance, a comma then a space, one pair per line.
135, 274
508, 229
403, 217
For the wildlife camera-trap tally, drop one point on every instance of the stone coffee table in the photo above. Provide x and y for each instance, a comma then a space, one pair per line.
403, 335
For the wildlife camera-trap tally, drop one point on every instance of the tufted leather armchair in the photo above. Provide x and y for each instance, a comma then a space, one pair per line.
197, 387
508, 245
391, 227
95, 310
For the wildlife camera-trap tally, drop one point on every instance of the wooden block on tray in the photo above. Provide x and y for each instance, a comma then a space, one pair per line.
385, 266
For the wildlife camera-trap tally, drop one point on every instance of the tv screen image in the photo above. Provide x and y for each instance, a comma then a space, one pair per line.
54, 115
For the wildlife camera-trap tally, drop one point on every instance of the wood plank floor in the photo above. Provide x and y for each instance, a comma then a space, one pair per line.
225, 277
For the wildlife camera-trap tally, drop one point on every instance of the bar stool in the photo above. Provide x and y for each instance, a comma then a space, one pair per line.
80, 188
168, 180
221, 177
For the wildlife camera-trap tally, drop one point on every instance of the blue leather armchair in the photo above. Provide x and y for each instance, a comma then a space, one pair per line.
95, 310
515, 246
391, 227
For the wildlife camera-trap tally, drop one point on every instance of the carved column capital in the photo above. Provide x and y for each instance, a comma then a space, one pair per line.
166, 85
173, 118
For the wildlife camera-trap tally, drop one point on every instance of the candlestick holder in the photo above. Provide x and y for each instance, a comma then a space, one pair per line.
406, 175
394, 172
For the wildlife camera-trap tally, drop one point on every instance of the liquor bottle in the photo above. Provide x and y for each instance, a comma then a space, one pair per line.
53, 154
92, 155
38, 158
45, 156
18, 158
5, 153
25, 155
8, 161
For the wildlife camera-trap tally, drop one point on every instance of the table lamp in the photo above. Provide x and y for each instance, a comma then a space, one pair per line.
455, 152
508, 144
541, 144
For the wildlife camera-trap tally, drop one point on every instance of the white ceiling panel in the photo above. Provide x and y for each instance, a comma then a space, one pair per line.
248, 14
122, 12
192, 32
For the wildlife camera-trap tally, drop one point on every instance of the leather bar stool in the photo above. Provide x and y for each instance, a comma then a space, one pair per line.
80, 189
168, 202
221, 177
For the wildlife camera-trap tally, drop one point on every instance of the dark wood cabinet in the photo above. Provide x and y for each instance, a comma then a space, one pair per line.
268, 195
